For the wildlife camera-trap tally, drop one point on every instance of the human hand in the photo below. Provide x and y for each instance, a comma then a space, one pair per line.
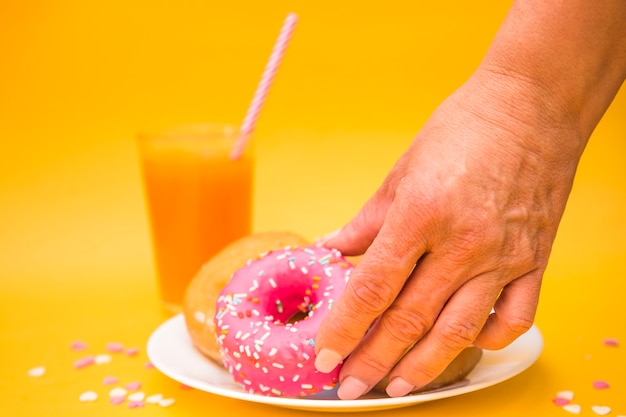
455, 241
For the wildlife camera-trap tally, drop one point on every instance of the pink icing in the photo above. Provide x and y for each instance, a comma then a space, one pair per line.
265, 350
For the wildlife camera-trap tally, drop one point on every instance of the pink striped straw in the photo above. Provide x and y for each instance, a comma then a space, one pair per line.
264, 85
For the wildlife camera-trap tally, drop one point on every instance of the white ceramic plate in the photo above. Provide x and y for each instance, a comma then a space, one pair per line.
171, 351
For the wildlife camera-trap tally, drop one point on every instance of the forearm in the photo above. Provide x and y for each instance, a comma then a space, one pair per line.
569, 54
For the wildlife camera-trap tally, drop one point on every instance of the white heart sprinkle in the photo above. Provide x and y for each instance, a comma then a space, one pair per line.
88, 396
601, 410
136, 396
118, 392
166, 402
568, 395
37, 372
572, 408
154, 399
100, 359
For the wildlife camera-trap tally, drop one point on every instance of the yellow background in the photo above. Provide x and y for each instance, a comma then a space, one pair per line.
78, 79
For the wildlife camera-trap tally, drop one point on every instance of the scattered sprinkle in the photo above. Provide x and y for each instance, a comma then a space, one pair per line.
37, 372
114, 347
118, 392
572, 408
84, 362
568, 395
611, 342
110, 380
133, 386
601, 410
560, 401
600, 384
131, 351
101, 359
137, 396
88, 396
136, 404
117, 400
78, 345
154, 399
149, 365
166, 402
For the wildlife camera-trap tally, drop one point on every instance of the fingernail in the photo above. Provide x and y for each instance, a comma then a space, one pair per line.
327, 360
320, 241
351, 388
398, 387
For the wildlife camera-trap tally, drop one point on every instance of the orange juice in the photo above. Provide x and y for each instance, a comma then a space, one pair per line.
198, 199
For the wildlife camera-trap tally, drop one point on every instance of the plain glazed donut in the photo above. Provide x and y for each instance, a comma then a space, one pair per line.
268, 315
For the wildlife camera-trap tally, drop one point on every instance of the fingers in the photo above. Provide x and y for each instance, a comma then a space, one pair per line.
514, 312
375, 283
461, 324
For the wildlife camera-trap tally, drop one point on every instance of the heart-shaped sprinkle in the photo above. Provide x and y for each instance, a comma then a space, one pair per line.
37, 372
118, 392
154, 399
101, 359
166, 402
148, 365
88, 396
132, 351
601, 410
136, 396
114, 347
560, 401
568, 395
78, 345
611, 342
600, 384
572, 408
109, 380
135, 404
133, 386
117, 400
84, 362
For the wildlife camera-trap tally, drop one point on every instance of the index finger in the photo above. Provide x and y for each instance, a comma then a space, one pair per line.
374, 285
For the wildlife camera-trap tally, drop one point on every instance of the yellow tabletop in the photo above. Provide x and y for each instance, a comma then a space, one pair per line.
79, 79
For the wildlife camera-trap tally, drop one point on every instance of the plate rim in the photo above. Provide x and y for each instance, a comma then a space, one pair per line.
177, 323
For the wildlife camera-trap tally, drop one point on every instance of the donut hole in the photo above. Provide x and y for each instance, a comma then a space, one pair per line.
293, 309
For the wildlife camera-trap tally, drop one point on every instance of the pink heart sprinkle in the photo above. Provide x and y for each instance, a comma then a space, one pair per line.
600, 384
78, 345
135, 404
611, 342
149, 365
109, 380
83, 362
114, 347
133, 386
560, 401
132, 351
117, 400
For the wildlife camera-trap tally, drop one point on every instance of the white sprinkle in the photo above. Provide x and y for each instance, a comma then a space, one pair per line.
37, 372
136, 396
278, 365
281, 378
293, 346
245, 336
299, 365
257, 347
100, 359
166, 402
118, 392
238, 366
154, 399
306, 356
88, 396
265, 370
265, 336
295, 378
273, 351
273, 283
238, 334
601, 410
306, 386
247, 382
304, 270
248, 352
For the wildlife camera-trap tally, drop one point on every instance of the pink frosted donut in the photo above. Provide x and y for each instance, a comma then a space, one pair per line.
268, 315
